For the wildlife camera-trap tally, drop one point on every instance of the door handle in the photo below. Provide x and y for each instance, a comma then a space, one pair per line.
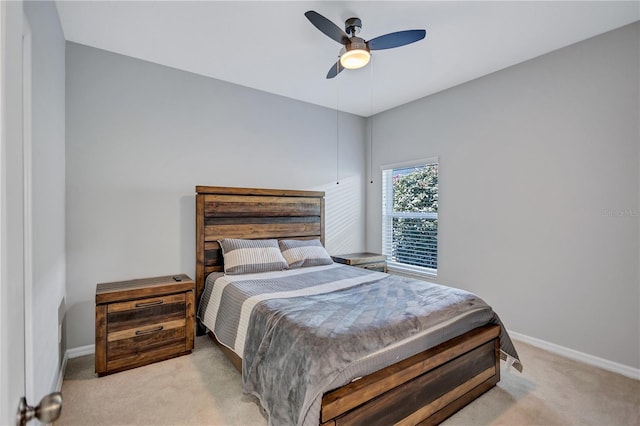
47, 411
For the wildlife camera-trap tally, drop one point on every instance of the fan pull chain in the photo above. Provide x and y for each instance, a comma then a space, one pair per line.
371, 125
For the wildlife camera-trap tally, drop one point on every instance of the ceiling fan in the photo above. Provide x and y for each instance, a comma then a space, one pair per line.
356, 51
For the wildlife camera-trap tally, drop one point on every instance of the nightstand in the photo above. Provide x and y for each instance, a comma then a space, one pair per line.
143, 321
372, 261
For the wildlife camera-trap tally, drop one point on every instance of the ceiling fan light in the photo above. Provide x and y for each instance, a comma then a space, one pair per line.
355, 58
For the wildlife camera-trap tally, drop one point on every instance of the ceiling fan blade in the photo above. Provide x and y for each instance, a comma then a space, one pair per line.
397, 39
335, 69
327, 27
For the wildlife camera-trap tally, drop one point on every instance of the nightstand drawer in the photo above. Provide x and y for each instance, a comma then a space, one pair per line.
150, 302
145, 330
141, 358
128, 342
145, 313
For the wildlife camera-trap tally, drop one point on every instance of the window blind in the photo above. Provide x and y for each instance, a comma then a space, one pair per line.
410, 217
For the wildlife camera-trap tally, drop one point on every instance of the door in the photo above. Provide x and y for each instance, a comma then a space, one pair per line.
12, 213
16, 348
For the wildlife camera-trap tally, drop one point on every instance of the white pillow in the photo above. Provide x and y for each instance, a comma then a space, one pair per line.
249, 256
300, 253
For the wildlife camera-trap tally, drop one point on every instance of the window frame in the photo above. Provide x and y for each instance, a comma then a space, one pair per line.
388, 215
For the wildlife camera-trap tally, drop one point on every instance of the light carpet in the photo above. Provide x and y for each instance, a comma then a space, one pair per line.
204, 389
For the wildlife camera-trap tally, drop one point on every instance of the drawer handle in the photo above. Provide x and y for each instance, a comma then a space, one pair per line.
144, 305
152, 330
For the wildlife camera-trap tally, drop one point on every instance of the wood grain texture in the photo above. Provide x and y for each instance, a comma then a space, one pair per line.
200, 250
146, 330
468, 397
260, 206
144, 303
350, 396
101, 339
142, 321
262, 230
141, 287
125, 347
190, 318
202, 189
423, 413
424, 395
450, 409
251, 213
142, 358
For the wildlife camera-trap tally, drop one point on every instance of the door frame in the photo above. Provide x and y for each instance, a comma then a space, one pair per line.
27, 161
2, 236
12, 385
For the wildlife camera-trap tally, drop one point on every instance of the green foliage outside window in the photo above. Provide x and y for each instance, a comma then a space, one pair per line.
414, 239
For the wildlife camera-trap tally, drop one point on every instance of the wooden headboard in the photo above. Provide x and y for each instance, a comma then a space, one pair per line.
227, 212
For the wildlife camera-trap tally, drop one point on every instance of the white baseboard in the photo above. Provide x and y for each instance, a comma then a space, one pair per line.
63, 368
80, 351
595, 361
72, 353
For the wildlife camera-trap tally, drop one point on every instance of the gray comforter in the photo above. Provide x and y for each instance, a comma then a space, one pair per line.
301, 335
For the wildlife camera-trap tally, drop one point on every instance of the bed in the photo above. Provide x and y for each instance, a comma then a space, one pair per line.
419, 378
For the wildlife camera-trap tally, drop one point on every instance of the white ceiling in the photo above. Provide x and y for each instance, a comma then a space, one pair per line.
271, 46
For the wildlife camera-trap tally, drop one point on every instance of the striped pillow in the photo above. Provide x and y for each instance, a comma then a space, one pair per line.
249, 256
301, 253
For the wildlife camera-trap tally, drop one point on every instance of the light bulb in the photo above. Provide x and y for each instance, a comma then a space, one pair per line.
354, 59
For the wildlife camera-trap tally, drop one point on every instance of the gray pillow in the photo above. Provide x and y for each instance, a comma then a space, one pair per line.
249, 256
300, 253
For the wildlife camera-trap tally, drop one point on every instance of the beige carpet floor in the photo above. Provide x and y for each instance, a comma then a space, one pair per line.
204, 389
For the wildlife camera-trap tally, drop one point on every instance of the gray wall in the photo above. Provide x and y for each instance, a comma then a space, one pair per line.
539, 191
48, 190
140, 137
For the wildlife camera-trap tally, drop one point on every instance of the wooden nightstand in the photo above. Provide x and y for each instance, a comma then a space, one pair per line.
372, 261
143, 321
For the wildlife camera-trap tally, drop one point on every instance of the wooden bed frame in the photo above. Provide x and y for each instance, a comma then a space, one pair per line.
423, 389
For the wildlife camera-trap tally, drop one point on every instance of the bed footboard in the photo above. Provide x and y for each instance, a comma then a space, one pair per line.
424, 389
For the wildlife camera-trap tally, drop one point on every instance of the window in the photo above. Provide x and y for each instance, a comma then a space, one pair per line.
410, 216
